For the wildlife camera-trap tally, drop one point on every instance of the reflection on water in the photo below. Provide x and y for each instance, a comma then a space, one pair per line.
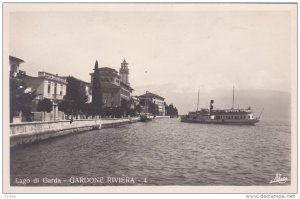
164, 152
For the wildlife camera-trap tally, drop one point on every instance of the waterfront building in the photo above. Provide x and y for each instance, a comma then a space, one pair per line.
135, 100
85, 85
135, 104
14, 75
47, 86
114, 87
157, 100
126, 91
14, 63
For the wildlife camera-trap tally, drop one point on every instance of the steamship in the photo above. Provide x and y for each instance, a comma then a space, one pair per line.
221, 116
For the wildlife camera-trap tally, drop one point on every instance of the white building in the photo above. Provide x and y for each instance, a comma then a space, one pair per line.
47, 86
156, 99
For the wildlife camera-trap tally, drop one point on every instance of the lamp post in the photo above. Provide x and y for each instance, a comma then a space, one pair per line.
146, 100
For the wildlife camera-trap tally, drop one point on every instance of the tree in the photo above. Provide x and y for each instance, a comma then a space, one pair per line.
171, 110
127, 107
15, 90
166, 108
96, 91
142, 105
123, 107
137, 109
132, 107
66, 106
88, 109
153, 108
20, 98
45, 105
176, 112
75, 99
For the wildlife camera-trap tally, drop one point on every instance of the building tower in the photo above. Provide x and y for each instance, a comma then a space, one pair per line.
124, 72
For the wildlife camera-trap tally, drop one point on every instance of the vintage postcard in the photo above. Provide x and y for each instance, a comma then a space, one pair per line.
150, 98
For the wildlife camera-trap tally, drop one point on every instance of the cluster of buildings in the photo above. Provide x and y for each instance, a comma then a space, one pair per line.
115, 88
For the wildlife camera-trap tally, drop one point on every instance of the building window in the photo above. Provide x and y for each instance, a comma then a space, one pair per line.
61, 89
49, 88
55, 88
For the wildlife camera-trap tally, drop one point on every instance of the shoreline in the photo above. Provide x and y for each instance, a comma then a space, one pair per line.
31, 132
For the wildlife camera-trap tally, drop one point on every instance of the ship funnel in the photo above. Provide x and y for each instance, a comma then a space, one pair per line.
211, 105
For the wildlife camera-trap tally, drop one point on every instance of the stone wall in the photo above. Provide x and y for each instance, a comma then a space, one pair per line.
29, 132
161, 117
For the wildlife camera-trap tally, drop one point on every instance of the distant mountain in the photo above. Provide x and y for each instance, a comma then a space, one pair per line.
276, 104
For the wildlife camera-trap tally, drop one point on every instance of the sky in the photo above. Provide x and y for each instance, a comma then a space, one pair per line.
168, 50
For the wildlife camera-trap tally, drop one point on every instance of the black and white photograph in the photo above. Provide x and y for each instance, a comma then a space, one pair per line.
150, 97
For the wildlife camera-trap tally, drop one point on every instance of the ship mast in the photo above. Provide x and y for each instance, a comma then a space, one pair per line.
146, 109
232, 99
198, 99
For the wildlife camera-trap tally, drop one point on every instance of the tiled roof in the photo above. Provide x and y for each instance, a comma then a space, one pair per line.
151, 95
108, 69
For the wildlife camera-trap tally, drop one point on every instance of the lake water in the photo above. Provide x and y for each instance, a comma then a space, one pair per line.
160, 152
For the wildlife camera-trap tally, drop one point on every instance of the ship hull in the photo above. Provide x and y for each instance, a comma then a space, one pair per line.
214, 121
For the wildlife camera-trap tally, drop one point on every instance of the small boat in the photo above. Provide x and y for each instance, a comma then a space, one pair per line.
221, 116
144, 117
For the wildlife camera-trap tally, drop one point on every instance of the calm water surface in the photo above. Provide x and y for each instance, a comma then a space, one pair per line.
162, 152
